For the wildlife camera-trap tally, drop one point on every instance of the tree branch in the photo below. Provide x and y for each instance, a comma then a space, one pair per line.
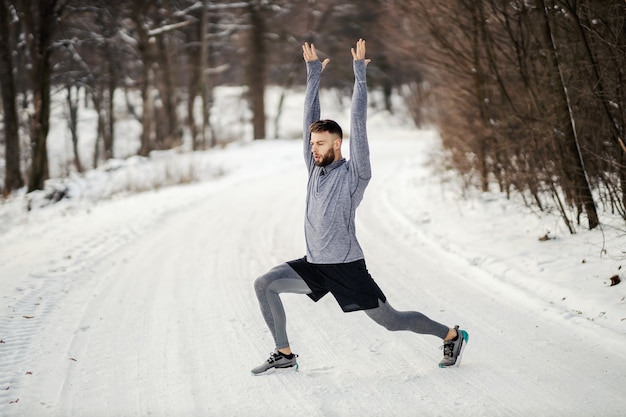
169, 28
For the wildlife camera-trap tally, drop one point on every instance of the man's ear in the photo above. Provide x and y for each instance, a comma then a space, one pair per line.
337, 143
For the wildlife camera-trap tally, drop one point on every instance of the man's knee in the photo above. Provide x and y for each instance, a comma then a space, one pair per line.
264, 281
260, 284
385, 316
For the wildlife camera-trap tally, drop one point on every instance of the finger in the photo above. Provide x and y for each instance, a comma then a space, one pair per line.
307, 52
326, 61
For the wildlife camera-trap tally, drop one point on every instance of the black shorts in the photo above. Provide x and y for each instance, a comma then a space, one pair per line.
350, 283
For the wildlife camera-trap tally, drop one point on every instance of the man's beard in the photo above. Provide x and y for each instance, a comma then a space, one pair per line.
328, 158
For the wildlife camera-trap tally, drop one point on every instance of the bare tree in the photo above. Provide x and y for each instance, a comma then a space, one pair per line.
40, 20
566, 121
13, 176
256, 65
111, 52
522, 97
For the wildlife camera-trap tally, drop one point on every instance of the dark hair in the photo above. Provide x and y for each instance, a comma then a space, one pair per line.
326, 125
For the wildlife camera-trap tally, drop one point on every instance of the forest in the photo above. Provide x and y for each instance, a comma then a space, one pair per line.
528, 96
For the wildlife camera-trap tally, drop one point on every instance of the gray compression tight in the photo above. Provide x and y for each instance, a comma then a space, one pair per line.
283, 279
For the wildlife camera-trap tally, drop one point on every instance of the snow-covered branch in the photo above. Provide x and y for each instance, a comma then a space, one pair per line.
169, 28
211, 6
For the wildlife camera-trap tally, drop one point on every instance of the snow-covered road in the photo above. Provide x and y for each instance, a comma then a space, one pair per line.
144, 306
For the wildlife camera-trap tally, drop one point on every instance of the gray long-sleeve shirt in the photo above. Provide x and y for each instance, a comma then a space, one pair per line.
335, 191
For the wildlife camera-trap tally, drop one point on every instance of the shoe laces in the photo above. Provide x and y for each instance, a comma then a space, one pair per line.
448, 348
274, 356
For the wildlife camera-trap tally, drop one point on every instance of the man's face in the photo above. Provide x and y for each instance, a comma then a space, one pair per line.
324, 146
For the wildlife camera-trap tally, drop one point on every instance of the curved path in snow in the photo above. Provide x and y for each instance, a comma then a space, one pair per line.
144, 306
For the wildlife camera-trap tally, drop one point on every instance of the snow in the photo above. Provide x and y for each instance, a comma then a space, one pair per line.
133, 294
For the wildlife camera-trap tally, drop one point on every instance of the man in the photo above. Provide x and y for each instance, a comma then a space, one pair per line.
334, 260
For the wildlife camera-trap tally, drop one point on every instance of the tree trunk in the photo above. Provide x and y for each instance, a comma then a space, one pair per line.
108, 133
13, 176
480, 94
96, 98
145, 49
170, 136
202, 76
256, 70
191, 99
147, 113
72, 104
40, 20
566, 123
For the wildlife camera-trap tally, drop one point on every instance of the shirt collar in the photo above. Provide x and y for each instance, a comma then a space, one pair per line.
328, 168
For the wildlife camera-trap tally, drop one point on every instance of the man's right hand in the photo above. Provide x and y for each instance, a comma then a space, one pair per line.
310, 54
358, 53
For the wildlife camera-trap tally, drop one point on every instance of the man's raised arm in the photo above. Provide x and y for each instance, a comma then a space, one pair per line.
359, 148
314, 69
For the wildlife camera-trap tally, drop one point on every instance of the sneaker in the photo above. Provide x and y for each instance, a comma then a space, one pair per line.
453, 349
277, 360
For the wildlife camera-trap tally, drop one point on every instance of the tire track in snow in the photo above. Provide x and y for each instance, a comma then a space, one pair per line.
64, 277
